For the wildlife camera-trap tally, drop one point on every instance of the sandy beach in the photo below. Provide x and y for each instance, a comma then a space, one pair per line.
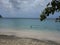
30, 37
12, 40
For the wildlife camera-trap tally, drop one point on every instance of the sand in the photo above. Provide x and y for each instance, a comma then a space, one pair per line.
28, 37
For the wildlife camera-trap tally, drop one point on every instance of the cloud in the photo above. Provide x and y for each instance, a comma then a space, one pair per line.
26, 4
22, 7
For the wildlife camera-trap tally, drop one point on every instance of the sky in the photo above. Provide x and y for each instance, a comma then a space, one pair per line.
23, 8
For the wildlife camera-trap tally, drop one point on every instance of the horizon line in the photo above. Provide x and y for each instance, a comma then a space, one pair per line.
22, 18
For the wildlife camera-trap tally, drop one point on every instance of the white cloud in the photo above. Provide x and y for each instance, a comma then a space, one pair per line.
5, 4
23, 7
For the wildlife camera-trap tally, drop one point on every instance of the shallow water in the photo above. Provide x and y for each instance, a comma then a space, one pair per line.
35, 24
31, 28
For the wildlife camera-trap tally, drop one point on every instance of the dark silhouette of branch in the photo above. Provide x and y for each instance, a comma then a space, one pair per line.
51, 8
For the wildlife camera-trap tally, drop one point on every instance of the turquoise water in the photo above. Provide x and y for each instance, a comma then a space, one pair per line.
34, 24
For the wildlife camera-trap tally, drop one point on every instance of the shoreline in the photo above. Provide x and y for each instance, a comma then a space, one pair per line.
45, 36
13, 40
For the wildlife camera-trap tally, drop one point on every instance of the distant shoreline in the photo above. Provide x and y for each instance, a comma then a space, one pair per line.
25, 18
20, 18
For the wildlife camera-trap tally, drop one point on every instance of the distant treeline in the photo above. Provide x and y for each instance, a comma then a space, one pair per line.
0, 16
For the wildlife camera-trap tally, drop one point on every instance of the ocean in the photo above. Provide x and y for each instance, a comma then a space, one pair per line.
32, 28
34, 24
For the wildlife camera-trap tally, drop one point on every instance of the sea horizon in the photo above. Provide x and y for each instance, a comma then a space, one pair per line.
30, 28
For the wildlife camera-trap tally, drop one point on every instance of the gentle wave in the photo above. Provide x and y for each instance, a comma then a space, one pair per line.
44, 35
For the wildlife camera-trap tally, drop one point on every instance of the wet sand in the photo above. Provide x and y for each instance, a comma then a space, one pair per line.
12, 40
25, 37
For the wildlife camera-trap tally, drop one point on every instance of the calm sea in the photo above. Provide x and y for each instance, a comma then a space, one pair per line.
34, 24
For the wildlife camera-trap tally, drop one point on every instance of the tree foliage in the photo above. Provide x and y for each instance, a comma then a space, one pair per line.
51, 8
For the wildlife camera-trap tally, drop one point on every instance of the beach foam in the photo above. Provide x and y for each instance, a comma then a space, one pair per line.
42, 35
